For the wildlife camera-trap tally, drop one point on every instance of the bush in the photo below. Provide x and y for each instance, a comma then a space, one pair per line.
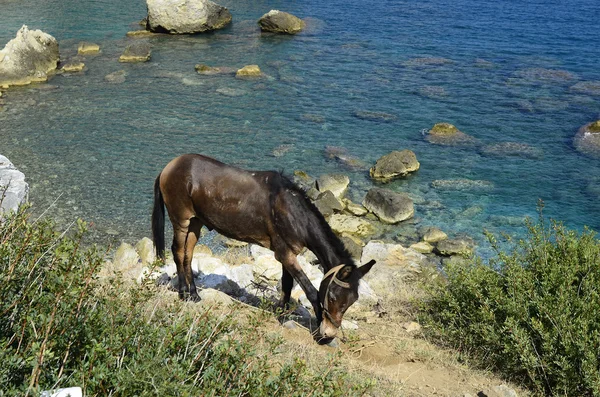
62, 325
533, 314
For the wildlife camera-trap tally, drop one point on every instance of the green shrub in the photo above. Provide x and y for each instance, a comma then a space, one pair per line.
62, 325
533, 313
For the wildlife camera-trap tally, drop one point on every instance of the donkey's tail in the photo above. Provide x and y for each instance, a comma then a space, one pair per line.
158, 220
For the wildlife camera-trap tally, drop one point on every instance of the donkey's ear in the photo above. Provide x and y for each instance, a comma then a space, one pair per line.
364, 269
344, 273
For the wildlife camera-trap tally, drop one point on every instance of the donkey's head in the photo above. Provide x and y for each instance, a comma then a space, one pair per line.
338, 291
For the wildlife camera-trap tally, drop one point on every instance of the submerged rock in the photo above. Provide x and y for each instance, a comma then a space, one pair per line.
514, 149
461, 184
12, 186
73, 67
587, 139
185, 16
543, 75
280, 22
30, 57
375, 116
448, 134
587, 87
451, 247
393, 165
427, 61
116, 77
388, 206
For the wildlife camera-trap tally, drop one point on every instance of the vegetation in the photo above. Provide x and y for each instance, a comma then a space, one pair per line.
62, 324
531, 314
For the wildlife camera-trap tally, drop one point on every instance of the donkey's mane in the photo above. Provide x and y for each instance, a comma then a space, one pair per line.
281, 183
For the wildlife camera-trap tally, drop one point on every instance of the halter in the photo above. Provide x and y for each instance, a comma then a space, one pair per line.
333, 271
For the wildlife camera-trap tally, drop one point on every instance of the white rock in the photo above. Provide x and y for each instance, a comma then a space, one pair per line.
13, 180
349, 324
67, 392
394, 255
146, 251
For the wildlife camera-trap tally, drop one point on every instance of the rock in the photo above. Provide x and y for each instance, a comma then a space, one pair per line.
327, 203
448, 134
389, 206
432, 91
346, 224
30, 57
116, 77
249, 71
137, 34
394, 165
202, 249
303, 180
185, 16
433, 235
341, 155
66, 392
313, 118
335, 183
587, 87
506, 149
353, 246
137, 52
280, 22
211, 70
411, 326
587, 139
542, 75
209, 297
12, 186
427, 61
145, 249
462, 184
498, 391
354, 209
392, 255
73, 67
375, 116
85, 48
290, 324
422, 247
127, 261
349, 324
450, 247
146, 274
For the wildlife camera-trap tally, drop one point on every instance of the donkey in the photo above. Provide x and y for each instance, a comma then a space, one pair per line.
259, 207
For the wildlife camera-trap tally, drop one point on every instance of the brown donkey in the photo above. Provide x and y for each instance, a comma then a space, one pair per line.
259, 207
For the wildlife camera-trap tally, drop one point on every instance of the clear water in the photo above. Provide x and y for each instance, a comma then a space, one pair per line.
95, 147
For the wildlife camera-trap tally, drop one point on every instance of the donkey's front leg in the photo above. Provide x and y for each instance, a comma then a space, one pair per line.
290, 264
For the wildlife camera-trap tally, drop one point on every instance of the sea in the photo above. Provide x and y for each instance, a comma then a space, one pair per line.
365, 78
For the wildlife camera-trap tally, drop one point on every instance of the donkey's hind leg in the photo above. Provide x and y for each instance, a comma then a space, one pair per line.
185, 236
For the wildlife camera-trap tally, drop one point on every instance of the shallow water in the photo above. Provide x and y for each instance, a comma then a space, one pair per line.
500, 72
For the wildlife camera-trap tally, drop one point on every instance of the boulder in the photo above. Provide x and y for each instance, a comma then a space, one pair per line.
433, 235
185, 16
346, 224
327, 203
394, 165
14, 191
341, 155
388, 206
137, 52
72, 67
587, 139
137, 34
422, 247
30, 57
354, 209
448, 134
145, 249
127, 261
85, 48
248, 71
280, 22
211, 70
449, 247
335, 183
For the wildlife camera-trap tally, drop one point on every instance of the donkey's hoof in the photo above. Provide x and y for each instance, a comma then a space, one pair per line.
194, 297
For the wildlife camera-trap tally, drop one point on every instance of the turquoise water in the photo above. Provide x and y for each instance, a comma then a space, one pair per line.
500, 71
